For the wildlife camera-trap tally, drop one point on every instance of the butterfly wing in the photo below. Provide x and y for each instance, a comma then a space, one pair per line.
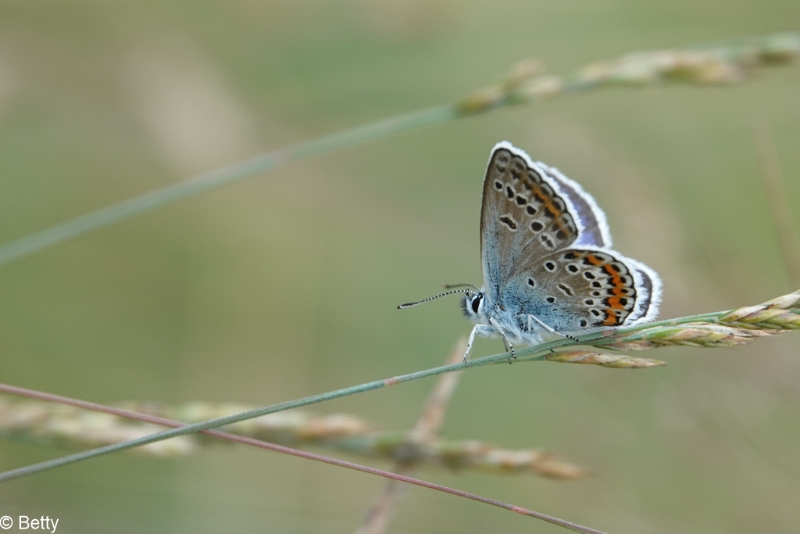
578, 288
592, 219
529, 211
544, 251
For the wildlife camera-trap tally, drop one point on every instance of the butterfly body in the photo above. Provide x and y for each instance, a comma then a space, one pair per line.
548, 268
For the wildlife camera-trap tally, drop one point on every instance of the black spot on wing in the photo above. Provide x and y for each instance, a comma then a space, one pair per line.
566, 290
508, 221
547, 241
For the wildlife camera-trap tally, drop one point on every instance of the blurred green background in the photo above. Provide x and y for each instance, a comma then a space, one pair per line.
285, 285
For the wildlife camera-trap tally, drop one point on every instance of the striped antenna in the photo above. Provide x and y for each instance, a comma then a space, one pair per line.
412, 304
453, 286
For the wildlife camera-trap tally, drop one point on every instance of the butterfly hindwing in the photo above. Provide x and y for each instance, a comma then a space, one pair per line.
581, 288
648, 293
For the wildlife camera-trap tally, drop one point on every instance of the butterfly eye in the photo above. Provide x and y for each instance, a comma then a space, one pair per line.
476, 302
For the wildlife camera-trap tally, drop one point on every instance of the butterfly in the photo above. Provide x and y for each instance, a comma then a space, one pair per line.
548, 267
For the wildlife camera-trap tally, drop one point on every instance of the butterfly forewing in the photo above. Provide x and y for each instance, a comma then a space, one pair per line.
592, 220
523, 216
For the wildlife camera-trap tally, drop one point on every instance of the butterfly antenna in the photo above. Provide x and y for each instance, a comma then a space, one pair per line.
412, 304
453, 286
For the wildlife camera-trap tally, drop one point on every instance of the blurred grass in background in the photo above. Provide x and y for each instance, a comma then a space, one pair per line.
286, 285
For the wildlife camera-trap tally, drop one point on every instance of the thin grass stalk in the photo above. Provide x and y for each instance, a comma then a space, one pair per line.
426, 428
249, 414
58, 424
774, 316
301, 454
725, 62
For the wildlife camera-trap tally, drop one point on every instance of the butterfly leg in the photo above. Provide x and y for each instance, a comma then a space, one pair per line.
469, 343
509, 347
481, 329
547, 327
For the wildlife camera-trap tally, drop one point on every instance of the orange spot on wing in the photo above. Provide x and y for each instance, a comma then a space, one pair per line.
611, 319
551, 208
547, 201
614, 301
616, 280
594, 260
560, 225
